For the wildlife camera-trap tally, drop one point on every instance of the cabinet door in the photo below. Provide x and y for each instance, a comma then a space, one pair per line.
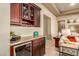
42, 46
37, 17
35, 48
38, 47
15, 13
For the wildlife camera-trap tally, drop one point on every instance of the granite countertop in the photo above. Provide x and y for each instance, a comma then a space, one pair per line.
24, 39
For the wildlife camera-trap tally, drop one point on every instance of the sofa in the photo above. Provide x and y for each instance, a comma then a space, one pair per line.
69, 41
69, 46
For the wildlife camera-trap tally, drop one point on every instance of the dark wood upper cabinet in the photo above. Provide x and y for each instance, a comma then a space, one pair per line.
30, 15
15, 13
25, 14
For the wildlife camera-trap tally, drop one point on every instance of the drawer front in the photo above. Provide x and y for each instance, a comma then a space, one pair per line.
69, 51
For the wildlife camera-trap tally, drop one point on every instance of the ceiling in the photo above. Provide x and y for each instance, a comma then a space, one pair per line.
60, 9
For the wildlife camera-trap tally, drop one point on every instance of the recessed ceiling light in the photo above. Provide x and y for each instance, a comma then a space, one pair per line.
72, 4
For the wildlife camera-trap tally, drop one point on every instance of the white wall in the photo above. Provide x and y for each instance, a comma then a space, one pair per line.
54, 27
29, 30
4, 29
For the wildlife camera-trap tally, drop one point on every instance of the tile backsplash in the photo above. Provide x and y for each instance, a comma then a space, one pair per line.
25, 31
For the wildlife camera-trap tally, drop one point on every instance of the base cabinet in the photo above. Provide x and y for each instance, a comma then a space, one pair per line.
37, 48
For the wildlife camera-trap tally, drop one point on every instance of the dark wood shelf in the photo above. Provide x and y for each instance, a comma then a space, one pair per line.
28, 20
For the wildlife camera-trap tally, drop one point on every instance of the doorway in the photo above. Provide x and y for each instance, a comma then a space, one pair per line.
47, 27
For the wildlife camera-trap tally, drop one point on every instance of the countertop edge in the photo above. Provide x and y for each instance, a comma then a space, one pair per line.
27, 40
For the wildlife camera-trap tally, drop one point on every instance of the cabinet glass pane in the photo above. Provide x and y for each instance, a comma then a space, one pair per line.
32, 13
25, 10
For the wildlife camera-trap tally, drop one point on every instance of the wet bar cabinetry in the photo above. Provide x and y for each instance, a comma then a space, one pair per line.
25, 14
34, 47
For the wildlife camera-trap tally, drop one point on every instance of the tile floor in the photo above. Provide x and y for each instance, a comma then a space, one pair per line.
50, 48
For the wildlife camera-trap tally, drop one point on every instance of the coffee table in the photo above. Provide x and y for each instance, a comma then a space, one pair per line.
68, 51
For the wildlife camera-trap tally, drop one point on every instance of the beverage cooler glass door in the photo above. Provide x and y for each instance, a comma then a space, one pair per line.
24, 49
